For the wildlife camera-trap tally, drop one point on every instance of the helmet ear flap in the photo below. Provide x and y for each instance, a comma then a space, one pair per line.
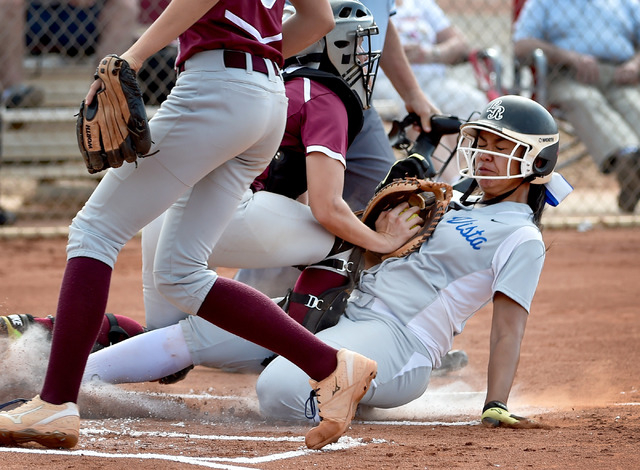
545, 162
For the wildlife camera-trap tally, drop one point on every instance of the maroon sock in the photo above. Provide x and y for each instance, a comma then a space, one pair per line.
313, 281
81, 307
246, 312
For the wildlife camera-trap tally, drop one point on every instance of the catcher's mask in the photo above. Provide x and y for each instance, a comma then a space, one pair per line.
522, 121
346, 50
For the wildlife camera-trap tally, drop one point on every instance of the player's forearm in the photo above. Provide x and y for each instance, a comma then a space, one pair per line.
337, 218
313, 20
179, 16
503, 364
524, 48
508, 325
396, 67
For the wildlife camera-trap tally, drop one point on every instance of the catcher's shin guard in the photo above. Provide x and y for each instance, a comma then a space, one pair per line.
320, 296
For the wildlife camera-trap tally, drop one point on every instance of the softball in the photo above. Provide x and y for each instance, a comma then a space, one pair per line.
412, 216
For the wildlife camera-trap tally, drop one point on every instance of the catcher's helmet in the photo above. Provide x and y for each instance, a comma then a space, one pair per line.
520, 120
346, 49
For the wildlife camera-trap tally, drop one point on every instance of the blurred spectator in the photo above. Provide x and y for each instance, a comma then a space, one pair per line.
117, 24
15, 93
82, 27
432, 44
593, 51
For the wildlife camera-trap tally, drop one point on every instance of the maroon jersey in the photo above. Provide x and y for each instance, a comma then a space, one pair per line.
317, 121
253, 26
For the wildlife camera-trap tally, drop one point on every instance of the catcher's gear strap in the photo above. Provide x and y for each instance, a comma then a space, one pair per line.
433, 199
116, 332
176, 377
341, 88
325, 309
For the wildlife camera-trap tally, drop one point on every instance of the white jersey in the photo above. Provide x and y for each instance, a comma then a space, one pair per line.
436, 290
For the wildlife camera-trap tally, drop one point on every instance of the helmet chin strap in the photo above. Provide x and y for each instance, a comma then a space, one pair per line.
493, 200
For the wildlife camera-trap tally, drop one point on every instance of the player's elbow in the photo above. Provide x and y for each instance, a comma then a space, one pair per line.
325, 212
327, 21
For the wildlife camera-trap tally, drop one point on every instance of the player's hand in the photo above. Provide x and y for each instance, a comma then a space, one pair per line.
495, 414
627, 73
418, 103
397, 225
95, 87
586, 67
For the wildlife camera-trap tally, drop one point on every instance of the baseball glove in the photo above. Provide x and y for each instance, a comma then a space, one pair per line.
432, 198
114, 127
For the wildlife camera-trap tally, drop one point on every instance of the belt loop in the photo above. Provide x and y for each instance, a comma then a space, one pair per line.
272, 70
248, 62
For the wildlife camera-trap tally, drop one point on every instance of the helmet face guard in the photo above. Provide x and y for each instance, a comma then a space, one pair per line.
348, 47
519, 120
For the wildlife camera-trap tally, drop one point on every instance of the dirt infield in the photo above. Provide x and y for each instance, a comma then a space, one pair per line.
579, 375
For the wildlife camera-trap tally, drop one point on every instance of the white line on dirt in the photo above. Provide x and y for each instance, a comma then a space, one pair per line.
182, 435
209, 462
89, 453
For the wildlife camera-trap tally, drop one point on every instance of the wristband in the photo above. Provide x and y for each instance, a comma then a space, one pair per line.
495, 404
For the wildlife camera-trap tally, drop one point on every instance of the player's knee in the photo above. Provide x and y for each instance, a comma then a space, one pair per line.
173, 290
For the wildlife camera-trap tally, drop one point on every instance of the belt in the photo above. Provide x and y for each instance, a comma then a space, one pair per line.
238, 60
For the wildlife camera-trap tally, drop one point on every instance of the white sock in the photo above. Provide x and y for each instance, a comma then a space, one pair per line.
142, 358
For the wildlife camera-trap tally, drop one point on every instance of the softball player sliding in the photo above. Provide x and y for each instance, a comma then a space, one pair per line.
215, 133
405, 312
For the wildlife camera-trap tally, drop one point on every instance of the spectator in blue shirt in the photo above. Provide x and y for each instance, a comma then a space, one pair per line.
593, 51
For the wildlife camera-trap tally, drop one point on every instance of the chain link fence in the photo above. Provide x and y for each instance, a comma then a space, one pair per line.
50, 49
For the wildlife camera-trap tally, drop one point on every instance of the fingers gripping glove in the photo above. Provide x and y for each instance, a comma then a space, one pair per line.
432, 198
495, 414
114, 127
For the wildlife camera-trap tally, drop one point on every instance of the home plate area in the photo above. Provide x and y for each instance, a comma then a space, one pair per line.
210, 430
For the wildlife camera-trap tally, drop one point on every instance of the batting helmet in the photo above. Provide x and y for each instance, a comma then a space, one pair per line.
520, 120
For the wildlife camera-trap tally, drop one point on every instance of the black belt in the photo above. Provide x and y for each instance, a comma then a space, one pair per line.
238, 60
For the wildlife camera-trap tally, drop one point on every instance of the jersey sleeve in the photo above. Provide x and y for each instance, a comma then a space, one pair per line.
518, 275
324, 123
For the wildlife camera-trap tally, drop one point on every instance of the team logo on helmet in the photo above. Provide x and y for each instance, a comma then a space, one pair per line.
495, 111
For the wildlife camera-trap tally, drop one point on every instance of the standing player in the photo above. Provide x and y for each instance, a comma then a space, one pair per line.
216, 131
